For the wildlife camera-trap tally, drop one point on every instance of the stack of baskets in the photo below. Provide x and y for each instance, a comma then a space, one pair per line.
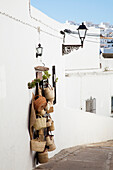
42, 124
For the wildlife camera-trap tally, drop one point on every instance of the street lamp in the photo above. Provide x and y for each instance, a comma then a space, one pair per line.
82, 33
39, 50
66, 49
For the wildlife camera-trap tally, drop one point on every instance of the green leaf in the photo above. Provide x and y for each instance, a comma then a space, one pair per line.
44, 77
56, 80
49, 75
29, 85
38, 80
46, 72
33, 83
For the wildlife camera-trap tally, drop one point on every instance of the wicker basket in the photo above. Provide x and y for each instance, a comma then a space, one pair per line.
40, 103
49, 93
48, 123
37, 145
41, 132
42, 112
43, 157
48, 106
50, 110
52, 127
49, 140
51, 100
52, 147
40, 123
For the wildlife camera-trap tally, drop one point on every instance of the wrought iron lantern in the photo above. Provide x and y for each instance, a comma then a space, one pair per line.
66, 49
82, 33
39, 50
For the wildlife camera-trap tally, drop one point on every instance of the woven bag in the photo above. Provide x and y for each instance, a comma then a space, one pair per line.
40, 103
40, 123
48, 106
52, 127
50, 110
41, 132
43, 157
49, 140
49, 93
52, 147
42, 112
37, 145
48, 123
32, 118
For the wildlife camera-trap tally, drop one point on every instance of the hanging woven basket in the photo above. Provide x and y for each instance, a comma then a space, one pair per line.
42, 112
49, 140
52, 147
43, 157
48, 106
48, 123
40, 123
37, 145
40, 103
41, 132
49, 93
52, 127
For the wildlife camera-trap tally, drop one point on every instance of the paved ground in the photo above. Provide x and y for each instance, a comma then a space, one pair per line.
97, 156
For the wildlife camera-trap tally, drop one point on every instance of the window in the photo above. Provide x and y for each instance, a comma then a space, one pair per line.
91, 105
112, 104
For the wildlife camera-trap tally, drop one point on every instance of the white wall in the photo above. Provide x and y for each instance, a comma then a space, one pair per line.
86, 57
16, 69
17, 60
107, 63
81, 86
77, 127
15, 8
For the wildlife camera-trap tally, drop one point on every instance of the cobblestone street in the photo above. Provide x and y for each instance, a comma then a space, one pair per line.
97, 156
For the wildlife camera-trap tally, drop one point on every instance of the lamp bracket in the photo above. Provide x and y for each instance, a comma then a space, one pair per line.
66, 49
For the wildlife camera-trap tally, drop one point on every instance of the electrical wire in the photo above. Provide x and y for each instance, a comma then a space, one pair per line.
85, 40
18, 20
25, 23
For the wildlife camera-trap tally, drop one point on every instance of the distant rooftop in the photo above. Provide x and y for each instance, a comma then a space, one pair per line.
102, 25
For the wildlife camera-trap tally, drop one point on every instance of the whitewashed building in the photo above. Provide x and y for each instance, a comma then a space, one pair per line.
84, 91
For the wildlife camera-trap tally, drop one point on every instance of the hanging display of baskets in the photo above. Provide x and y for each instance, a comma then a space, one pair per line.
41, 123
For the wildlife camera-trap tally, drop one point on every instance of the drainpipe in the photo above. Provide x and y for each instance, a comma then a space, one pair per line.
30, 11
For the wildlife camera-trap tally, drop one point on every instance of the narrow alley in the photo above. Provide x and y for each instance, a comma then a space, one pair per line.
97, 156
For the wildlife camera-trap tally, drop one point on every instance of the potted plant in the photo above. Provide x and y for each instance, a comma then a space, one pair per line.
45, 76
